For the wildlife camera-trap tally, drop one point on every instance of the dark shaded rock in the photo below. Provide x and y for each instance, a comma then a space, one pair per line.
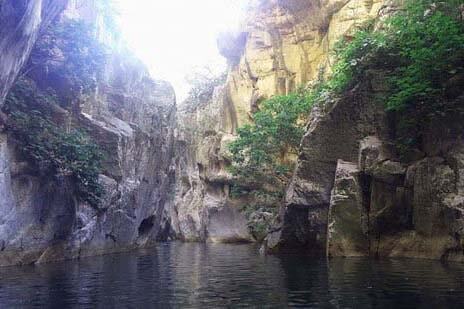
132, 118
333, 134
232, 45
20, 24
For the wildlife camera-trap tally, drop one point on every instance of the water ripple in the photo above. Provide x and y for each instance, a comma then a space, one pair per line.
180, 275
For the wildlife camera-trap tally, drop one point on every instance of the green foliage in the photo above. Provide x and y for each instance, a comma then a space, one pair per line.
68, 51
49, 147
260, 156
259, 152
64, 65
421, 48
26, 96
427, 42
353, 56
278, 126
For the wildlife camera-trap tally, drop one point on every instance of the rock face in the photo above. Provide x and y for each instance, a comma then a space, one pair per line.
20, 23
132, 118
284, 44
347, 222
165, 173
374, 204
202, 205
350, 194
332, 135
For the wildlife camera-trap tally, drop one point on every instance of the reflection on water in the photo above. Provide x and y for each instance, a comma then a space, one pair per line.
211, 275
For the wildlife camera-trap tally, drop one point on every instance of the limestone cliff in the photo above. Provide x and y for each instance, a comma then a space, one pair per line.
351, 194
165, 172
20, 23
202, 205
129, 115
284, 44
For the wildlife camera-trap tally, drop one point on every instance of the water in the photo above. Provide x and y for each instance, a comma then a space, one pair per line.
180, 275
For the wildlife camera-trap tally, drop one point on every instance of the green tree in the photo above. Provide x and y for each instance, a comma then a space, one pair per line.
420, 48
426, 40
260, 150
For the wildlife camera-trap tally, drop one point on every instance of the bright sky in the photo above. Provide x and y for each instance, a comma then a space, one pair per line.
173, 37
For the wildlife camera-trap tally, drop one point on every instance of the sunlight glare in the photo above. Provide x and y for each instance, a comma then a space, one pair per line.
173, 37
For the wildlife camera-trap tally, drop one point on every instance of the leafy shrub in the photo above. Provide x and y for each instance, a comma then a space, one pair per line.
52, 149
72, 58
25, 96
259, 157
353, 55
427, 42
260, 149
421, 48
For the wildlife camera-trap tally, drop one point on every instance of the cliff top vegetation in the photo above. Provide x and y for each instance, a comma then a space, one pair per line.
421, 50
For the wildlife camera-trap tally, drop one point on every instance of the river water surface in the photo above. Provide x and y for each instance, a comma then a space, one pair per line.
176, 275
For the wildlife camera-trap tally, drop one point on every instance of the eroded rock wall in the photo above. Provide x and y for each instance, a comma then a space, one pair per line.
333, 134
165, 172
20, 24
283, 44
132, 118
203, 208
351, 194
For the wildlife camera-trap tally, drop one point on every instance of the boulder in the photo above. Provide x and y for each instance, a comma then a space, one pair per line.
345, 233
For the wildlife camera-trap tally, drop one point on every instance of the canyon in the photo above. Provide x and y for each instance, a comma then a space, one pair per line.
165, 172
